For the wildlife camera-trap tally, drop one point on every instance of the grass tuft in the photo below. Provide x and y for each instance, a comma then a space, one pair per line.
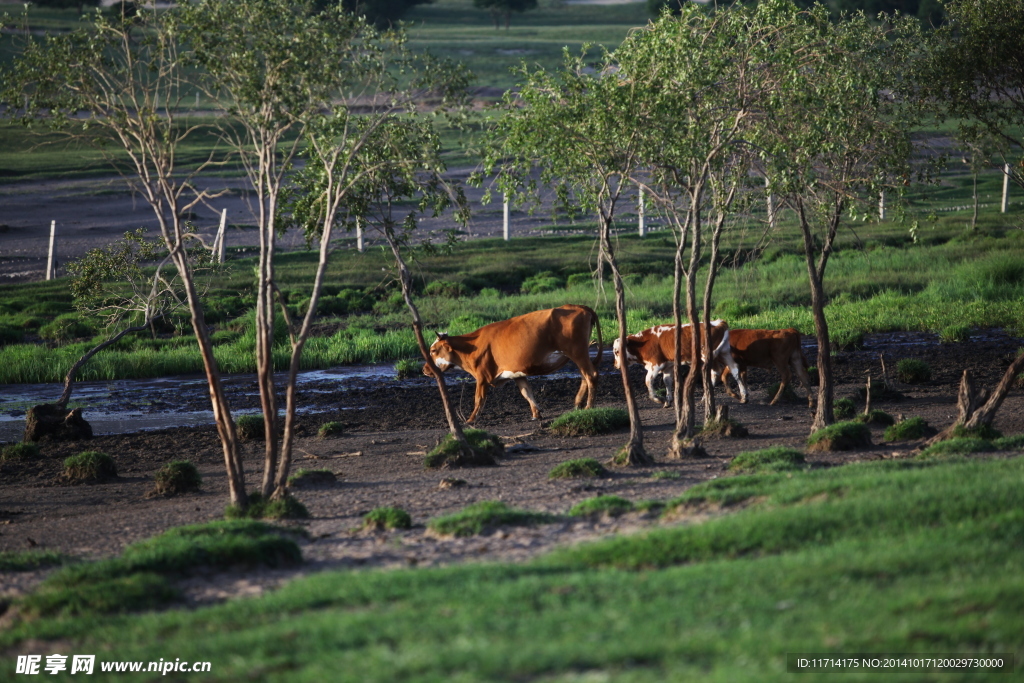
841, 436
788, 395
176, 477
726, 427
775, 459
485, 446
956, 447
580, 467
955, 333
29, 560
612, 506
844, 408
485, 515
590, 422
89, 466
913, 371
27, 450
909, 429
667, 474
877, 417
308, 479
279, 508
987, 432
1009, 443
250, 427
408, 368
329, 429
384, 518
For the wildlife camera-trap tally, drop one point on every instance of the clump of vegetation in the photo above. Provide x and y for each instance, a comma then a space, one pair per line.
279, 508
65, 328
982, 431
329, 429
726, 427
451, 483
960, 446
666, 474
139, 578
27, 450
590, 422
385, 518
877, 417
844, 408
308, 479
775, 459
912, 428
1010, 443
484, 515
841, 436
612, 506
29, 560
955, 333
407, 368
847, 340
580, 467
445, 289
89, 466
734, 309
486, 447
176, 477
542, 282
913, 371
250, 427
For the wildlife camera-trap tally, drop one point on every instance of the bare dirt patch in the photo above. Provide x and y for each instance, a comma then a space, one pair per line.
378, 461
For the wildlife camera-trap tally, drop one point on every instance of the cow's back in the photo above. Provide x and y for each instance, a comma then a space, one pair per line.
534, 342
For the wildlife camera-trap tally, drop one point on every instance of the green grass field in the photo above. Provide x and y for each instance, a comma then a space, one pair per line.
872, 558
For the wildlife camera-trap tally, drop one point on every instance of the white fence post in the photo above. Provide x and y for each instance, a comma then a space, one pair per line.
505, 230
642, 226
50, 270
881, 205
219, 242
771, 202
1006, 187
359, 235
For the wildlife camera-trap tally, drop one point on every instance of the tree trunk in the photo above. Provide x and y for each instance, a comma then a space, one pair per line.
69, 379
684, 443
976, 407
824, 415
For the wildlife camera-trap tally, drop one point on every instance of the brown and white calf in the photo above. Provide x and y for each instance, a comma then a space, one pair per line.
536, 343
779, 349
656, 349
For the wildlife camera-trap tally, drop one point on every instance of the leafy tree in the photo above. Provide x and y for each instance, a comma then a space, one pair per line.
127, 75
381, 13
503, 9
832, 134
975, 73
580, 128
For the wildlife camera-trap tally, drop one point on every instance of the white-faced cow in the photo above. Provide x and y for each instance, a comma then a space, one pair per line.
779, 349
656, 349
537, 343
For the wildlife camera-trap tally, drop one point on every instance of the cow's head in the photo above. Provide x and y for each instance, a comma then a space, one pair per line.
442, 354
617, 351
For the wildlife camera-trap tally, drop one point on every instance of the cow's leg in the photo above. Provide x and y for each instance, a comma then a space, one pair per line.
725, 372
588, 383
797, 361
786, 377
524, 389
734, 369
666, 376
479, 400
652, 372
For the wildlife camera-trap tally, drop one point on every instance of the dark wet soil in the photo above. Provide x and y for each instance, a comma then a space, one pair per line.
389, 426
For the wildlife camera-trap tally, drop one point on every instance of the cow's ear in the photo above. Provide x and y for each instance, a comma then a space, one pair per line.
442, 336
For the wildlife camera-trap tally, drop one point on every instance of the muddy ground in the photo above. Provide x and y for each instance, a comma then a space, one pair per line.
378, 461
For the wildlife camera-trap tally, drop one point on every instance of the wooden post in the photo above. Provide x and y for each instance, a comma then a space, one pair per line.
867, 398
771, 203
220, 235
506, 218
359, 235
881, 205
642, 227
1006, 187
50, 270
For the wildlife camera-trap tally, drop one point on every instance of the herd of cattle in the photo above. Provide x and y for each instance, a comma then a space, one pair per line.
541, 342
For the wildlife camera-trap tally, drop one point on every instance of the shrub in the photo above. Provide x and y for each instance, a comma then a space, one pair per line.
387, 518
328, 429
841, 436
844, 408
10, 335
304, 479
489, 293
393, 303
89, 466
877, 417
445, 289
19, 451
955, 447
580, 467
730, 309
65, 328
913, 428
250, 427
280, 508
775, 459
176, 477
913, 371
408, 368
847, 340
590, 422
601, 505
486, 514
542, 282
980, 432
955, 333
485, 446
579, 279
724, 427
1010, 443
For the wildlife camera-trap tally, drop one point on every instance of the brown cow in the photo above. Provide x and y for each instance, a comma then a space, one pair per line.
655, 348
767, 349
533, 344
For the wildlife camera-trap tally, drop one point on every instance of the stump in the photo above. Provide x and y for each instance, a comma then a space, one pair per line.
54, 422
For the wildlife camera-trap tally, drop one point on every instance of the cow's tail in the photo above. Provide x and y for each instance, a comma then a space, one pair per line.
600, 342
